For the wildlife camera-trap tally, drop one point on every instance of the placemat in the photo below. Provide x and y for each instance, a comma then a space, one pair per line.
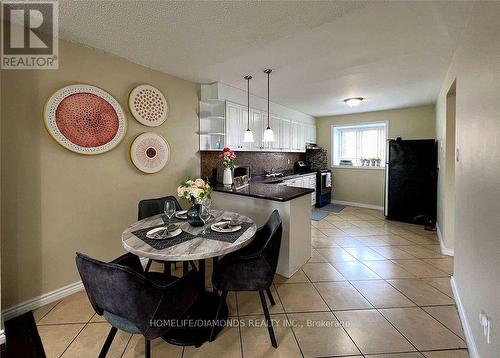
160, 244
226, 236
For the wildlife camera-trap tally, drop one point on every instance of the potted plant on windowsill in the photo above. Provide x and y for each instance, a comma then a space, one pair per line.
196, 191
378, 161
228, 158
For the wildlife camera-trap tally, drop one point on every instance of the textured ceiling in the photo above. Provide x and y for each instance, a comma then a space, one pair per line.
393, 53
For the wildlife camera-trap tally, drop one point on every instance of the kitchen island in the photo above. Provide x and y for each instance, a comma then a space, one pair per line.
258, 200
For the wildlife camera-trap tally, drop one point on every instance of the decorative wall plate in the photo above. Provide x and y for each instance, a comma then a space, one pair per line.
148, 105
149, 152
85, 119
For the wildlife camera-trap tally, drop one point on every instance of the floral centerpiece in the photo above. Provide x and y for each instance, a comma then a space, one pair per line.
195, 191
228, 159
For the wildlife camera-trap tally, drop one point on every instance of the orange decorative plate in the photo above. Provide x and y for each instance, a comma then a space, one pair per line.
148, 105
85, 119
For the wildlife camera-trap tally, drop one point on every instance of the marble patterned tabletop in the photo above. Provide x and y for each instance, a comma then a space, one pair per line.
194, 249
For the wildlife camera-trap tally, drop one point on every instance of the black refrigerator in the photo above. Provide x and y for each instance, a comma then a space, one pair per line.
411, 181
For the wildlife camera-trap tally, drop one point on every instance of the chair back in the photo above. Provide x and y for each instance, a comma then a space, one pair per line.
130, 295
150, 207
271, 234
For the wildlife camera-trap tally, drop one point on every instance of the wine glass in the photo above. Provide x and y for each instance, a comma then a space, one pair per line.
205, 216
208, 203
169, 210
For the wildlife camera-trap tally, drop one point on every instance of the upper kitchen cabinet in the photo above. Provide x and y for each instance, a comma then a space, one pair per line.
224, 120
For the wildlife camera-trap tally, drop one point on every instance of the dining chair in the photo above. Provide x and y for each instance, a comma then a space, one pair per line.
252, 268
131, 299
150, 207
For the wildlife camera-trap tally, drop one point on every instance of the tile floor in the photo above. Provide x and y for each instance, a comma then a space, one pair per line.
372, 288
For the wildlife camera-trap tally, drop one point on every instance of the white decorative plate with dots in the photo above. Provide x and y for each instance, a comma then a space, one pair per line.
85, 119
149, 152
148, 105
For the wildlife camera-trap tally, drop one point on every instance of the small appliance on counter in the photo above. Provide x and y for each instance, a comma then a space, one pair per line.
301, 167
323, 187
238, 171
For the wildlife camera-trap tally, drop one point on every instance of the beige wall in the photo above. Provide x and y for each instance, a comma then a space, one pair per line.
366, 186
55, 202
476, 68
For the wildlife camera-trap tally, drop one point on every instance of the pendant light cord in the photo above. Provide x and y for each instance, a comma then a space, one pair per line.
248, 78
268, 71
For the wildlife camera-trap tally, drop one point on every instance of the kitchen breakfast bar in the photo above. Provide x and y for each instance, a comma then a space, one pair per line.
258, 200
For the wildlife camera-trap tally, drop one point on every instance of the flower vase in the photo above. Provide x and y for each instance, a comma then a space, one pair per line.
193, 215
228, 177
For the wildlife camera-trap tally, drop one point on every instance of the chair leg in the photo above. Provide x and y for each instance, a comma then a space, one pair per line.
167, 268
147, 349
223, 297
268, 319
270, 295
107, 343
148, 265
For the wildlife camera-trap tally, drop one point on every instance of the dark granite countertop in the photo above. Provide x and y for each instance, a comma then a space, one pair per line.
266, 191
278, 179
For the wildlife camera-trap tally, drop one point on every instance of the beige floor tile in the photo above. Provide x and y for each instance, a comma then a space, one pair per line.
444, 264
341, 296
39, 313
423, 331
421, 239
343, 225
396, 355
256, 341
462, 353
334, 218
317, 272
316, 257
297, 277
56, 338
420, 252
364, 253
321, 224
321, 335
335, 254
421, 293
318, 242
316, 233
249, 303
392, 252
226, 344
435, 248
301, 297
96, 318
420, 268
441, 283
355, 270
381, 294
159, 348
396, 240
371, 241
447, 315
372, 333
89, 342
73, 309
388, 269
347, 242
333, 232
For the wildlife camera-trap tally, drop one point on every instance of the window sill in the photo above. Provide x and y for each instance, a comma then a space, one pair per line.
357, 167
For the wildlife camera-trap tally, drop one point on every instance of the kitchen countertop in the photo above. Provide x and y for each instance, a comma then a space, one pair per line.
278, 179
266, 190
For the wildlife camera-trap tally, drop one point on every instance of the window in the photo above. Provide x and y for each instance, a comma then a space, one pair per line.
356, 142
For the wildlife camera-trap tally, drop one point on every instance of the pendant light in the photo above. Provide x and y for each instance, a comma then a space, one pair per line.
268, 133
248, 137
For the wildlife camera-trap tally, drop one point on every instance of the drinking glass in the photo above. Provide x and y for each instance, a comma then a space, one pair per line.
205, 216
169, 210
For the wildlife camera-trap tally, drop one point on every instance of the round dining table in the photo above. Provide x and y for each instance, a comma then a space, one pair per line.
194, 243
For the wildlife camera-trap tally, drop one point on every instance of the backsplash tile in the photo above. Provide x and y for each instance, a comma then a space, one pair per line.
259, 161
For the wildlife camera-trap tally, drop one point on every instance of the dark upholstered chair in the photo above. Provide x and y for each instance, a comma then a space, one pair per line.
130, 299
253, 267
150, 207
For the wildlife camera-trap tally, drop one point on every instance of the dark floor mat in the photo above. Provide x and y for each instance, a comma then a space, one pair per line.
22, 339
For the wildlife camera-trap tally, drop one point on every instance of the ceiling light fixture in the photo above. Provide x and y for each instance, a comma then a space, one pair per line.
353, 101
268, 133
248, 137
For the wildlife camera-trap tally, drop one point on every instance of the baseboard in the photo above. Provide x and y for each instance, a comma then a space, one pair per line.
469, 338
2, 337
45, 299
444, 250
359, 205
42, 300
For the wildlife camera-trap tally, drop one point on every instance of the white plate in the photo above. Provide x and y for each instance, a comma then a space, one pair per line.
151, 233
215, 227
181, 214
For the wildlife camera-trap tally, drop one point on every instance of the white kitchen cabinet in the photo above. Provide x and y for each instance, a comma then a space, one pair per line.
310, 133
233, 125
285, 134
306, 181
257, 128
